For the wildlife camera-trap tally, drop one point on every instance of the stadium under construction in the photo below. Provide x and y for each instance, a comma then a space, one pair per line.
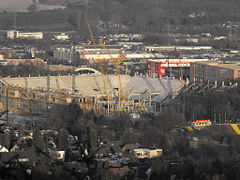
97, 92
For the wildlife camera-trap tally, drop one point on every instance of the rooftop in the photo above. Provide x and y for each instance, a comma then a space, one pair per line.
224, 64
134, 87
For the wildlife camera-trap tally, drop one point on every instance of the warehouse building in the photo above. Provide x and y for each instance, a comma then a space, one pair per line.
157, 67
12, 34
214, 71
177, 48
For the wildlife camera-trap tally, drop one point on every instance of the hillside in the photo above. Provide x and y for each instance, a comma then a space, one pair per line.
14, 5
141, 16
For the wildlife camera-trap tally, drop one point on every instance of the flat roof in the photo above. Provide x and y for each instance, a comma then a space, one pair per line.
223, 64
177, 60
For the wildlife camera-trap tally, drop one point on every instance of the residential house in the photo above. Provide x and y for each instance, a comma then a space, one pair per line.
147, 153
57, 155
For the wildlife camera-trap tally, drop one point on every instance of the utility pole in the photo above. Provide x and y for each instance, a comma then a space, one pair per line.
26, 83
169, 82
14, 21
7, 105
168, 30
150, 99
48, 90
73, 84
108, 108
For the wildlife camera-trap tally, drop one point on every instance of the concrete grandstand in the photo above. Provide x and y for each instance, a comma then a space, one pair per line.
136, 90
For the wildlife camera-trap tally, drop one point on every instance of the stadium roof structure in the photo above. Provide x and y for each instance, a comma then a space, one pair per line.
98, 85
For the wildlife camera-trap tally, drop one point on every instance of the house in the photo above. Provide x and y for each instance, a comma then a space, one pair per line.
15, 148
147, 153
62, 36
128, 148
57, 155
3, 149
29, 157
109, 150
21, 147
119, 171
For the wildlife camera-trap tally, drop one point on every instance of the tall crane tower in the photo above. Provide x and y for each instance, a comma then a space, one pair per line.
169, 85
117, 61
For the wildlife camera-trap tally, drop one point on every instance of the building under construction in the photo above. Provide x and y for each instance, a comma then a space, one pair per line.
100, 93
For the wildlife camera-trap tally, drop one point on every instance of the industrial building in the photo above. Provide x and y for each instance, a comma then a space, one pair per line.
103, 93
66, 54
176, 48
12, 34
17, 62
62, 36
157, 67
63, 54
214, 71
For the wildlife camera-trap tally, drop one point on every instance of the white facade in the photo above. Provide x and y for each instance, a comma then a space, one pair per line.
62, 36
173, 48
30, 35
147, 153
66, 54
174, 62
109, 56
63, 54
12, 34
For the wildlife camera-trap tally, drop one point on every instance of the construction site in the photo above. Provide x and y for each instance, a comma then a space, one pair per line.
100, 93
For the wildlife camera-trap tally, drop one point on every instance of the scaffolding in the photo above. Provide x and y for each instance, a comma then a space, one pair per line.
139, 93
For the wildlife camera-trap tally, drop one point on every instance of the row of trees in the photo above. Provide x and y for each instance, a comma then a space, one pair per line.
138, 15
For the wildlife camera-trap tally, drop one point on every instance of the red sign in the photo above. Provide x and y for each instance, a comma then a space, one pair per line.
203, 120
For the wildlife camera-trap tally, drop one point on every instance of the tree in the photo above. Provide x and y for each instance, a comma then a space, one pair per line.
6, 140
92, 141
39, 145
63, 140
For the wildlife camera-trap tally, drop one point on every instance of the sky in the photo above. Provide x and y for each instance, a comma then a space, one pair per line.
14, 5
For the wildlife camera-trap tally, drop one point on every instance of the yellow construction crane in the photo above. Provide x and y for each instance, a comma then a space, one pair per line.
93, 41
116, 61
101, 63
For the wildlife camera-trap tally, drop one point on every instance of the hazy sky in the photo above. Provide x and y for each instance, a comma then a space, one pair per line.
14, 5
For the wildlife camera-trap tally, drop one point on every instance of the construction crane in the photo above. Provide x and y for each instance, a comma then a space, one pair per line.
117, 61
100, 61
169, 85
93, 41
